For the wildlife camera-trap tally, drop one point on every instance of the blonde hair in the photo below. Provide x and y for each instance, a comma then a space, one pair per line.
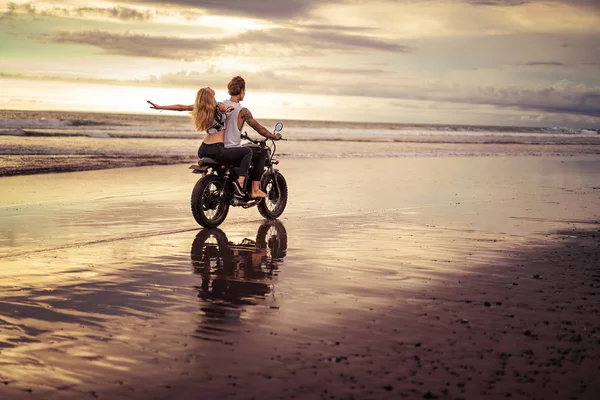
203, 114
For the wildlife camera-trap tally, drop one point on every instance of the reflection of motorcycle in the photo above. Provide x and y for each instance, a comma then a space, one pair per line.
213, 193
236, 273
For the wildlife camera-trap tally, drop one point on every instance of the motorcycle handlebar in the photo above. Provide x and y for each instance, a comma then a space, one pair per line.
256, 141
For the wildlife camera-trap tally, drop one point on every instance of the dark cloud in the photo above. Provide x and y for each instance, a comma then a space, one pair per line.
324, 40
595, 4
499, 2
122, 13
272, 42
138, 45
563, 97
567, 98
544, 64
262, 9
336, 28
117, 12
302, 69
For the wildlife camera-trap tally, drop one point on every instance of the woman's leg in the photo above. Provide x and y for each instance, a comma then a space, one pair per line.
238, 156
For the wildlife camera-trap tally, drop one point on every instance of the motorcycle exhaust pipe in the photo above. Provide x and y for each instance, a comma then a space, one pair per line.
237, 202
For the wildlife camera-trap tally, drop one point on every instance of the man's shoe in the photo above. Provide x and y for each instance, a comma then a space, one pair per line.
237, 189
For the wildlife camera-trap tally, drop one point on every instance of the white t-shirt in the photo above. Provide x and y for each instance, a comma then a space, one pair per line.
232, 136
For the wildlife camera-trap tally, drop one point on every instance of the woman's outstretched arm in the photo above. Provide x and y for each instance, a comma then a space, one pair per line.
174, 107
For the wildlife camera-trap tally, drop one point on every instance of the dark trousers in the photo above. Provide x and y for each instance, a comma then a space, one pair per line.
237, 156
259, 157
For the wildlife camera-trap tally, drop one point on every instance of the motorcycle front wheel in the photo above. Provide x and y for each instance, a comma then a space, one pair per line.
208, 207
275, 186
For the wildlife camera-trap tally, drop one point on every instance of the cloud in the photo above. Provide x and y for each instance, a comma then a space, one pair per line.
121, 13
562, 97
498, 2
561, 119
24, 101
138, 45
265, 43
339, 71
508, 3
324, 40
262, 9
291, 9
544, 64
335, 28
116, 12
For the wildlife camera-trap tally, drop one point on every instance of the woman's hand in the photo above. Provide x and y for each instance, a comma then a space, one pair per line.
153, 105
223, 108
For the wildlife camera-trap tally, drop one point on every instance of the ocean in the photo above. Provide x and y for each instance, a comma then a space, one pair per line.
39, 142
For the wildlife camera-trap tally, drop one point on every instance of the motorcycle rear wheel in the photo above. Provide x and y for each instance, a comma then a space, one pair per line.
208, 208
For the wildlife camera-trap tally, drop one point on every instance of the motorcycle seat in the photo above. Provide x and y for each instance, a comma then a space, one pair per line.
208, 161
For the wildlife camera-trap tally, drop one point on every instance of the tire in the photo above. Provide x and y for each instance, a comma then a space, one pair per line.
207, 207
210, 255
275, 186
210, 249
272, 236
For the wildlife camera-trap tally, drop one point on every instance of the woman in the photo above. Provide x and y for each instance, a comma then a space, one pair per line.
210, 116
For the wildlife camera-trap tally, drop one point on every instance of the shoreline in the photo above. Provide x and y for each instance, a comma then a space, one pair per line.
324, 123
48, 164
21, 165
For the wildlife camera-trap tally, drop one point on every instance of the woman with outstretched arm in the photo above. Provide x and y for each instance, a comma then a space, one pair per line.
210, 116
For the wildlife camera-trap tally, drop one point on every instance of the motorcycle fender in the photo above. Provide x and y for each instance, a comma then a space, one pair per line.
197, 169
265, 177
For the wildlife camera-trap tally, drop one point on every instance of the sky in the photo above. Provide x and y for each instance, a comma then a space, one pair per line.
479, 62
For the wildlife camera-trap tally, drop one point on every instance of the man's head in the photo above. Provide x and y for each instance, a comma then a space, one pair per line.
237, 87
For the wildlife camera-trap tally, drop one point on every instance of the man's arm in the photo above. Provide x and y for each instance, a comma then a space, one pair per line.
247, 117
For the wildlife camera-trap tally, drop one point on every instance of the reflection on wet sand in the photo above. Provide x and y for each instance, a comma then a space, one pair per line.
461, 278
236, 274
101, 317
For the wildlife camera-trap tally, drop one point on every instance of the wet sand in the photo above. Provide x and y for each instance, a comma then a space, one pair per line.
451, 277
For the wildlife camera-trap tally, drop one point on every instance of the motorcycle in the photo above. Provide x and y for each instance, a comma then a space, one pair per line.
213, 194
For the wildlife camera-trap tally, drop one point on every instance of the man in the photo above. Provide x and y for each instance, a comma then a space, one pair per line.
233, 131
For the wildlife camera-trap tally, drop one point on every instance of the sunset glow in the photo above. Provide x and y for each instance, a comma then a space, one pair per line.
443, 61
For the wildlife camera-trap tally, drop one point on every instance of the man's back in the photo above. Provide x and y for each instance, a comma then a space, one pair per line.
232, 137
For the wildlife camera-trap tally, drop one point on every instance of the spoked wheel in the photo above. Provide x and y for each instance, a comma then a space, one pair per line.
272, 236
208, 249
208, 208
275, 186
210, 255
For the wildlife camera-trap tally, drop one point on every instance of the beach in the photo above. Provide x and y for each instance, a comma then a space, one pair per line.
431, 221
386, 277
